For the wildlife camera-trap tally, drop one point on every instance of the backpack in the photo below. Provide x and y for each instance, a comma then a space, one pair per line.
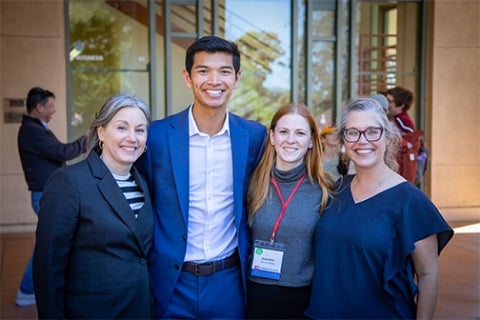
408, 154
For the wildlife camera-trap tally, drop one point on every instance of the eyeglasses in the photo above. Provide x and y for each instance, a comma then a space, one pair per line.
371, 134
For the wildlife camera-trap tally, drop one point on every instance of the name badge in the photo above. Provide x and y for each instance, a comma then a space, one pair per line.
267, 259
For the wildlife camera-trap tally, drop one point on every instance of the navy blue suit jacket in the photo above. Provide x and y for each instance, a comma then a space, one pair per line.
166, 167
90, 251
41, 153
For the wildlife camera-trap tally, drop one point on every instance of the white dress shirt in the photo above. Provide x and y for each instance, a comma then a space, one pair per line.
212, 233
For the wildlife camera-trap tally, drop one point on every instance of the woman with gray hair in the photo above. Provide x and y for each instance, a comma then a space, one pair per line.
377, 244
95, 224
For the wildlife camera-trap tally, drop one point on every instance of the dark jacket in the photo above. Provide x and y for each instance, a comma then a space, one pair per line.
90, 251
42, 153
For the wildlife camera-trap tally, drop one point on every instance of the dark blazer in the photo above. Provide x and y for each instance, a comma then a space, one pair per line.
90, 252
41, 153
166, 166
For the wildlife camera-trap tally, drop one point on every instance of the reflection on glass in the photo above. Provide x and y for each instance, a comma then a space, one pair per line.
323, 75
323, 62
387, 46
345, 57
301, 50
108, 54
323, 23
183, 17
263, 36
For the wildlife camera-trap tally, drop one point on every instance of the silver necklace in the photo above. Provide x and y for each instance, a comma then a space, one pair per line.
370, 193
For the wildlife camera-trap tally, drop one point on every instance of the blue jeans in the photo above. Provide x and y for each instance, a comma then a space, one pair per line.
26, 286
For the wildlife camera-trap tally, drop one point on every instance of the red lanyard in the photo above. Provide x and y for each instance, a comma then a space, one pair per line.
284, 204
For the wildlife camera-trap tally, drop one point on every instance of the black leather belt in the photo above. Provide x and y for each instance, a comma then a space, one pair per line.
208, 268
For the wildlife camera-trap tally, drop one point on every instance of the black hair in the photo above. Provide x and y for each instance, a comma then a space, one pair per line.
37, 95
212, 44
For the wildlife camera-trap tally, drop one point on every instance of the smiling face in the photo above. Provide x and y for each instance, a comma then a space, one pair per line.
124, 139
212, 79
363, 153
291, 137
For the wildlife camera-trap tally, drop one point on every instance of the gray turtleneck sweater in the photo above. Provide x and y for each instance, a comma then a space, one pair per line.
296, 228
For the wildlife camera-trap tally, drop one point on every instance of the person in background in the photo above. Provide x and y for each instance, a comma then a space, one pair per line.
382, 100
198, 166
399, 102
95, 224
377, 243
331, 152
41, 153
287, 192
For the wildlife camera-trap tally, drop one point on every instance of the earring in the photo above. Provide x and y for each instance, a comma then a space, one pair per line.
145, 150
100, 144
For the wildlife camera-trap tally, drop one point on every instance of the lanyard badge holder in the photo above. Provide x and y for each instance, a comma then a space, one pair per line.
268, 255
267, 259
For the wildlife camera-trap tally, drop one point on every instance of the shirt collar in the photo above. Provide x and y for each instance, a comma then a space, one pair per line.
193, 129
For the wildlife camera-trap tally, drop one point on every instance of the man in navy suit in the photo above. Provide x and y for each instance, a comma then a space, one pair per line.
198, 166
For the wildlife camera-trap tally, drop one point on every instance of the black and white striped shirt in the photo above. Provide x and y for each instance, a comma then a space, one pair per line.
132, 192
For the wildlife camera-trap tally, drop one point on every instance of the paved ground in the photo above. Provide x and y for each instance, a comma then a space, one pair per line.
459, 296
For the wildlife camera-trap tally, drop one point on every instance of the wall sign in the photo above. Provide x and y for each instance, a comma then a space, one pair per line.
13, 109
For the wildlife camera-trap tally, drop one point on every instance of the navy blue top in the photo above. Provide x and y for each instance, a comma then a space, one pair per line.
41, 153
363, 267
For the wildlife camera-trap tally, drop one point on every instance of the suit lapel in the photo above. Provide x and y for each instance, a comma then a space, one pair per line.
178, 143
240, 142
142, 227
113, 195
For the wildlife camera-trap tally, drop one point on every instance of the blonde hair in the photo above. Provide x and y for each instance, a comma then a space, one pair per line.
260, 180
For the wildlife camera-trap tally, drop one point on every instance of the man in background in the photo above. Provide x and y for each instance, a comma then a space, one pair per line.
41, 153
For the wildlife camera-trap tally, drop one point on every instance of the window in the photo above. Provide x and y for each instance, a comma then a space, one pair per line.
108, 54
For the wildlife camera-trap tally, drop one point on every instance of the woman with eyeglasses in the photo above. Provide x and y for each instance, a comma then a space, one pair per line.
377, 244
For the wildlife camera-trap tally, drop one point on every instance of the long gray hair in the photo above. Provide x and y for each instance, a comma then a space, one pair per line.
114, 104
390, 130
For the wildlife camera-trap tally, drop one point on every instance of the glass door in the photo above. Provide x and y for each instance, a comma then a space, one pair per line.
108, 54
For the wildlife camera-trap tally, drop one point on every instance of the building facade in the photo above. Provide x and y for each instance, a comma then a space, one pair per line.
318, 52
